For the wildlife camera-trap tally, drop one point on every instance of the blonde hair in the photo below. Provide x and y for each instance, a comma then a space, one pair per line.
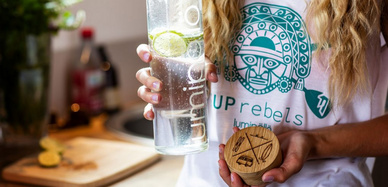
221, 20
342, 25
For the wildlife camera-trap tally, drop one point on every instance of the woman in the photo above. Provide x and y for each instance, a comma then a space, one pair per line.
309, 70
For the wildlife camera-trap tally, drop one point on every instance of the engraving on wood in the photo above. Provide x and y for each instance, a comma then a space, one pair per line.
267, 151
263, 155
238, 144
257, 136
245, 160
251, 152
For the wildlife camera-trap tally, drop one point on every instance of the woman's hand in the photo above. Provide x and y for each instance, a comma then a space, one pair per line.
232, 179
149, 82
151, 85
296, 147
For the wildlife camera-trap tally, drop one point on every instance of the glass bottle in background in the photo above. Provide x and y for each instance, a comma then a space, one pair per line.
87, 82
111, 90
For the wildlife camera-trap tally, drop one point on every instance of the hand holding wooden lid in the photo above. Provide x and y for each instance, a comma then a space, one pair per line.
251, 152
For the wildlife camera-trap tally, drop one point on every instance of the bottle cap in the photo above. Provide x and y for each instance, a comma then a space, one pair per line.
87, 32
251, 152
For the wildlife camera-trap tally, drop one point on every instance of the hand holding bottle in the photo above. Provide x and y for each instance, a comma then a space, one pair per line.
151, 83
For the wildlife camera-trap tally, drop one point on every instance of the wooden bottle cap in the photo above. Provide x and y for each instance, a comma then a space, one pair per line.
251, 152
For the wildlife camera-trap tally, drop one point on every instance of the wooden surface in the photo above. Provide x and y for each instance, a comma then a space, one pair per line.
164, 173
251, 152
86, 162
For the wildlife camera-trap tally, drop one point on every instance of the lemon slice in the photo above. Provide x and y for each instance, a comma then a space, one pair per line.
49, 159
169, 44
50, 144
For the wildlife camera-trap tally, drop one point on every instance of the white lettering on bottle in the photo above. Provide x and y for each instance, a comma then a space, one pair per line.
197, 99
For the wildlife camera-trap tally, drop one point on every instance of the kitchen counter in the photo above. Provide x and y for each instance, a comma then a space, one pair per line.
164, 172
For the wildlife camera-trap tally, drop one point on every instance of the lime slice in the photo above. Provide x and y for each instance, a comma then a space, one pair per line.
172, 43
49, 159
169, 44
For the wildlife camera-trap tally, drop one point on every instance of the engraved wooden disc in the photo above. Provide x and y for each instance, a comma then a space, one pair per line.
251, 152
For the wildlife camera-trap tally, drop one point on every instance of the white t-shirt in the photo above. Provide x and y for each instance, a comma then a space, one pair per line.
276, 82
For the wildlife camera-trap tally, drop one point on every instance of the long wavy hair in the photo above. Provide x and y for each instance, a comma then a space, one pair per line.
221, 20
343, 26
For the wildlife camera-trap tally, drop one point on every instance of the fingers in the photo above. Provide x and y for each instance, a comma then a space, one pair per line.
150, 97
211, 71
291, 165
150, 84
144, 77
223, 170
295, 147
148, 112
236, 180
232, 179
221, 151
144, 53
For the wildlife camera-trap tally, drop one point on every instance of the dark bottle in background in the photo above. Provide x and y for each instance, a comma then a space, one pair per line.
111, 90
86, 81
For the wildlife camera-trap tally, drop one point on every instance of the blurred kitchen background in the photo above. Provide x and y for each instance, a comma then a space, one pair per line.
119, 25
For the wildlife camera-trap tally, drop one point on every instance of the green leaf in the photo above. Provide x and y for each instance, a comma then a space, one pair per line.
70, 22
70, 2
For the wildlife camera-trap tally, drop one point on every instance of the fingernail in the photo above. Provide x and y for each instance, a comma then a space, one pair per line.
146, 56
232, 177
148, 116
268, 179
155, 98
219, 149
212, 74
156, 85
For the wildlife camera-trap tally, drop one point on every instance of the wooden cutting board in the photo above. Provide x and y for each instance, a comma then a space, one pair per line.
86, 162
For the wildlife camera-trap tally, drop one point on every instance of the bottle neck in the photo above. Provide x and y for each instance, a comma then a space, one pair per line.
86, 50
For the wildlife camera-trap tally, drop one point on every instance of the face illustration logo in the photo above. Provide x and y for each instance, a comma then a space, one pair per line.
273, 51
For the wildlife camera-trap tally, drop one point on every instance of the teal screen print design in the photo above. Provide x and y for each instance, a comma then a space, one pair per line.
275, 49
